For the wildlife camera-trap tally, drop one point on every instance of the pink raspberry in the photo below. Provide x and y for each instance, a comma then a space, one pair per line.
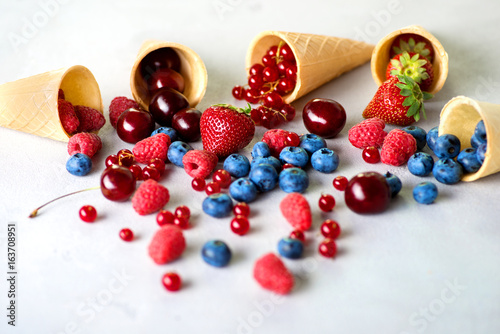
368, 133
68, 117
398, 147
90, 119
60, 94
276, 140
297, 211
152, 147
86, 143
167, 244
150, 197
118, 106
199, 164
270, 272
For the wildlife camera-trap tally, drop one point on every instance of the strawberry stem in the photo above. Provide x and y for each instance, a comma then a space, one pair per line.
34, 213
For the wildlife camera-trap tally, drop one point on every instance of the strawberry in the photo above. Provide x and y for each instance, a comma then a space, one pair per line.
398, 101
413, 65
412, 43
226, 129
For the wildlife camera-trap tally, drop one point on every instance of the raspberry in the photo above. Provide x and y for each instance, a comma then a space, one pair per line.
86, 143
150, 197
118, 106
68, 117
199, 164
270, 272
398, 147
167, 244
277, 140
151, 148
297, 211
60, 94
370, 132
90, 119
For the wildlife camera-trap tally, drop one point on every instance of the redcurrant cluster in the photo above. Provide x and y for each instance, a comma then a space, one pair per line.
240, 224
220, 179
180, 217
154, 170
268, 83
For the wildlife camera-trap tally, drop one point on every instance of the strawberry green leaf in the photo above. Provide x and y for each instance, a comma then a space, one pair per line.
413, 110
405, 91
427, 95
409, 101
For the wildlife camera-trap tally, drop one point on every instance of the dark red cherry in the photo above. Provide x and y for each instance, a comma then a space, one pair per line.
117, 183
134, 125
165, 78
165, 104
367, 193
187, 124
324, 117
160, 59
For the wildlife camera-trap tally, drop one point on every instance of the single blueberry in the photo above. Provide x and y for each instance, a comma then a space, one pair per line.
79, 164
420, 164
425, 192
394, 183
176, 152
243, 190
294, 155
311, 143
418, 133
481, 152
168, 131
431, 137
237, 165
260, 149
216, 253
264, 176
480, 131
267, 160
325, 160
447, 146
447, 171
474, 141
218, 205
468, 159
290, 248
293, 180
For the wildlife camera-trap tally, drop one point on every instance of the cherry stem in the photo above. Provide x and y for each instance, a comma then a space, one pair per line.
34, 213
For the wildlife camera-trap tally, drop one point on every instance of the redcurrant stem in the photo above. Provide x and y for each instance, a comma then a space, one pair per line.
34, 213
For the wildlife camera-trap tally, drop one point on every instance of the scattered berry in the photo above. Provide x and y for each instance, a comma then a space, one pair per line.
371, 155
126, 234
238, 92
199, 163
264, 176
181, 222
172, 281
340, 183
270, 272
330, 229
150, 173
368, 193
67, 116
312, 143
212, 188
447, 146
217, 205
168, 131
167, 244
328, 248
260, 149
152, 148
294, 155
222, 177
241, 209
420, 164
394, 182
425, 192
324, 117
296, 211
293, 180
158, 164
447, 171
266, 160
216, 253
419, 134
398, 147
240, 225
326, 202
136, 171
86, 143
176, 152
237, 165
165, 217
134, 125
125, 157
90, 119
182, 211
198, 184
88, 213
468, 159
118, 106
298, 234
79, 164
431, 137
276, 140
117, 183
112, 159
290, 248
150, 197
243, 190
370, 132
325, 160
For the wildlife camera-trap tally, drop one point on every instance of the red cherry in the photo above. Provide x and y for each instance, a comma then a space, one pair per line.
222, 177
160, 59
181, 222
150, 172
273, 101
371, 155
212, 188
182, 211
165, 78
241, 209
288, 111
240, 225
172, 282
198, 184
117, 183
88, 213
238, 92
340, 183
126, 234
367, 193
165, 104
324, 117
134, 125
256, 69
158, 164
136, 171
187, 124
111, 160
165, 217
328, 248
298, 234
326, 202
292, 139
330, 229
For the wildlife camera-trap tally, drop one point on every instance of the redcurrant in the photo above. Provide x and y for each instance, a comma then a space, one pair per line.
172, 282
287, 53
222, 177
252, 95
88, 213
182, 211
212, 188
340, 183
158, 164
273, 100
198, 184
136, 171
328, 248
256, 81
125, 158
238, 92
371, 155
292, 139
256, 69
297, 234
240, 225
241, 209
126, 234
326, 202
270, 74
149, 172
111, 160
181, 222
165, 217
330, 229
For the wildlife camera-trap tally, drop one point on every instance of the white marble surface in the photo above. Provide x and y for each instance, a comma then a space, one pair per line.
412, 269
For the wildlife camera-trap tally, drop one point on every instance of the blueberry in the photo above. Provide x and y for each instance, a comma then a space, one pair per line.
216, 253
311, 143
260, 149
176, 152
290, 248
264, 176
293, 180
243, 190
296, 156
420, 164
447, 171
267, 160
425, 192
432, 136
480, 131
218, 205
474, 141
468, 159
325, 160
447, 146
79, 164
419, 134
394, 183
168, 131
237, 165
480, 152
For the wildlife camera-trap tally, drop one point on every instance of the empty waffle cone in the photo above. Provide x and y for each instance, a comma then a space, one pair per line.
30, 104
319, 58
380, 57
192, 69
460, 117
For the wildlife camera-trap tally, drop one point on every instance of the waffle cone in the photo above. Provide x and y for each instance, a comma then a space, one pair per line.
460, 116
319, 58
192, 69
30, 104
380, 57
